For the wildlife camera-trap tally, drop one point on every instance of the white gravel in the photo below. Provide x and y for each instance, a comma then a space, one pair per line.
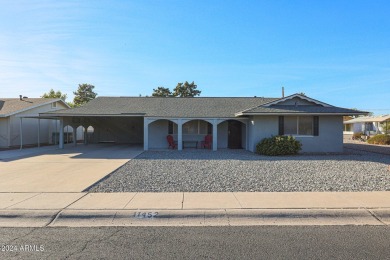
239, 170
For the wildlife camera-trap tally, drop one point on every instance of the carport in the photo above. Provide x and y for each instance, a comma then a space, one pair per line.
119, 129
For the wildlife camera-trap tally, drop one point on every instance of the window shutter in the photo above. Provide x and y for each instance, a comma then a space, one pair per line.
316, 126
281, 125
170, 127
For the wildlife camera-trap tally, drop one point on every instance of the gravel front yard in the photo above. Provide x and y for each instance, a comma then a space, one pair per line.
239, 170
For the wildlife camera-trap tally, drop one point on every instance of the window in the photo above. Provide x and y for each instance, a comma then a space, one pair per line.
54, 104
190, 128
305, 125
172, 128
298, 125
290, 125
193, 127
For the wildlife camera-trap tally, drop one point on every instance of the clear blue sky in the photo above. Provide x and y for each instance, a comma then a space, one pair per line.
336, 51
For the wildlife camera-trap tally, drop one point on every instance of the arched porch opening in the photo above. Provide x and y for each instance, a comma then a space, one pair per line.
68, 134
232, 134
158, 131
90, 134
194, 133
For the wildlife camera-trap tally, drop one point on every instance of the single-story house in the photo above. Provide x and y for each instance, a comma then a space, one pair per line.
21, 113
233, 122
369, 125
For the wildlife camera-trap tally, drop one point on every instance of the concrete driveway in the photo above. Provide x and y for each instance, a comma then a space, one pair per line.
68, 170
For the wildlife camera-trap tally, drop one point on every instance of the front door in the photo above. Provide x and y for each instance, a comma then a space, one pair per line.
234, 134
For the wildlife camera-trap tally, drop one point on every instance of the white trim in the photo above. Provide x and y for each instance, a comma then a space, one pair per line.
296, 114
299, 96
91, 115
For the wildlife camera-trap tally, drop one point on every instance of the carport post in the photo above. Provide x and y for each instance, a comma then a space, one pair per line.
146, 134
55, 136
39, 132
85, 135
215, 134
21, 133
61, 139
74, 135
179, 135
247, 135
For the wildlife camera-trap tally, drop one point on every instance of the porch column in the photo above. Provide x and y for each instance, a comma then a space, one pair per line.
215, 134
55, 136
61, 137
21, 133
85, 135
67, 134
39, 132
179, 135
146, 134
74, 135
247, 136
9, 132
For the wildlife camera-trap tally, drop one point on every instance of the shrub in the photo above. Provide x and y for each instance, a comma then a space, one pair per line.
278, 145
357, 136
379, 139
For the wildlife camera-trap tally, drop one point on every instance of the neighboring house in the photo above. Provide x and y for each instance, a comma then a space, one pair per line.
369, 125
13, 109
233, 122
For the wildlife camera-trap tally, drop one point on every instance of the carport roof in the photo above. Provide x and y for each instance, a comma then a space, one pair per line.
167, 107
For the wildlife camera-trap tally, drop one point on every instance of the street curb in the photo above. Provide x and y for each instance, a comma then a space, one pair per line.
209, 217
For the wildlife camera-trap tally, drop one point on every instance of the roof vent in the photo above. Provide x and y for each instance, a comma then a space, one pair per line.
20, 97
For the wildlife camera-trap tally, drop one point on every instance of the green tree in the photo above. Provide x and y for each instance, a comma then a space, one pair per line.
84, 94
54, 94
71, 104
186, 90
161, 92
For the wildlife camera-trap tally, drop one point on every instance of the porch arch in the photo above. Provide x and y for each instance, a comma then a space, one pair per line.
157, 131
233, 133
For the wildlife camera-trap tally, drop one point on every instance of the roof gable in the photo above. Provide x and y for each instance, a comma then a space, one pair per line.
12, 106
298, 104
297, 99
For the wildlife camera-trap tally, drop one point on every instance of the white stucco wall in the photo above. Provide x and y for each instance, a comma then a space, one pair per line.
30, 126
158, 131
262, 127
222, 135
3, 132
330, 137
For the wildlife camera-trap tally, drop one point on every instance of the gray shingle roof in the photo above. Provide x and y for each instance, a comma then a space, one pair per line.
10, 106
304, 109
210, 107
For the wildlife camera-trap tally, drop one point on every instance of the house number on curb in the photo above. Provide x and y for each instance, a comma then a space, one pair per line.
140, 214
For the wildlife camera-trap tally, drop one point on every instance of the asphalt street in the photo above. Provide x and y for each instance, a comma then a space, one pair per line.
260, 242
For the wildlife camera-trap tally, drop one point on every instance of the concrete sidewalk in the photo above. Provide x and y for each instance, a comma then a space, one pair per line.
194, 209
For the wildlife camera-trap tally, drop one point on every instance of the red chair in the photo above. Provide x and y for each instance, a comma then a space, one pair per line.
208, 141
171, 142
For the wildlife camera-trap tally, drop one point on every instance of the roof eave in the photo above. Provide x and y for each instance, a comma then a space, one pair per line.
298, 113
91, 115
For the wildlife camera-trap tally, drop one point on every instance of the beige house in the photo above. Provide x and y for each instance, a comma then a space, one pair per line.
21, 115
